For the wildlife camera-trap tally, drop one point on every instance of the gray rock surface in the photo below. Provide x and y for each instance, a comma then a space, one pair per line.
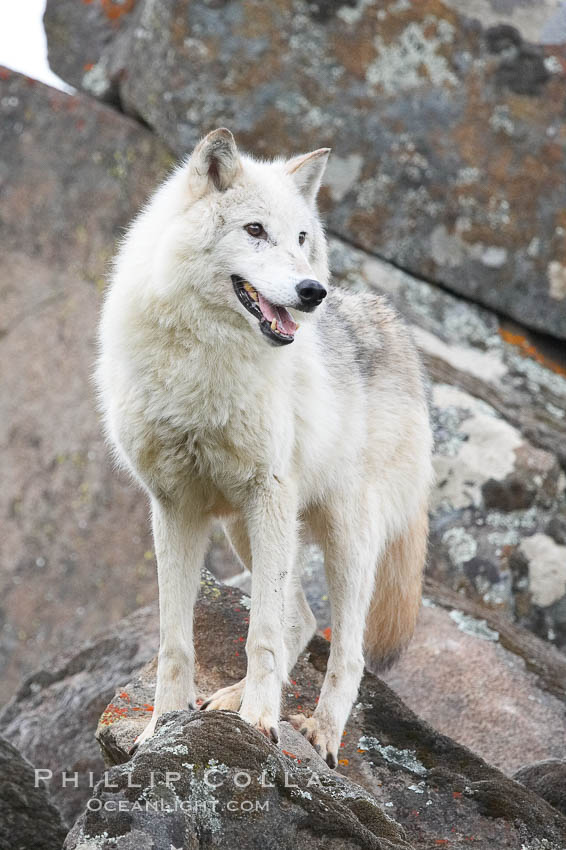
542, 22
52, 718
548, 780
216, 782
73, 172
28, 820
489, 685
448, 138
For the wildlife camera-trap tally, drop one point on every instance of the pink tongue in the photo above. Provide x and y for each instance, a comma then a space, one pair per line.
285, 323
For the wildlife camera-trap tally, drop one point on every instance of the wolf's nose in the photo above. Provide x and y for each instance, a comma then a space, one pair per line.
311, 292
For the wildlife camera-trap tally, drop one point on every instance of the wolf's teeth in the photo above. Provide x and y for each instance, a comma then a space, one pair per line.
250, 290
274, 325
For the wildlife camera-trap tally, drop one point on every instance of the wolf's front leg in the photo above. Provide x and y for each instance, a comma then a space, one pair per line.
180, 539
272, 528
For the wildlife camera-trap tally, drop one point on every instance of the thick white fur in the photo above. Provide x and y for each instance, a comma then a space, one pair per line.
215, 422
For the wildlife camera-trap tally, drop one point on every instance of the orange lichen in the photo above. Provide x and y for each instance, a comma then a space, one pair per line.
529, 350
327, 633
112, 9
112, 713
343, 762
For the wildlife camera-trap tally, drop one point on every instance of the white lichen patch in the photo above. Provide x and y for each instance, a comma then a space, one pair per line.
95, 80
461, 546
468, 175
494, 257
401, 758
486, 365
352, 14
553, 65
298, 792
400, 66
472, 626
501, 121
557, 280
485, 449
177, 749
547, 568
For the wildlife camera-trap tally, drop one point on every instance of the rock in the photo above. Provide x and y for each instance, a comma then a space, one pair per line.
223, 784
544, 570
29, 821
466, 675
73, 173
52, 718
448, 139
494, 492
434, 788
75, 45
543, 22
548, 780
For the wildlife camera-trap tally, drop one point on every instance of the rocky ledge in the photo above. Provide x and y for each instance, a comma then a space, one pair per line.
420, 787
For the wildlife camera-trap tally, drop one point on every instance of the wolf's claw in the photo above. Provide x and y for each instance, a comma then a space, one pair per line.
321, 733
226, 699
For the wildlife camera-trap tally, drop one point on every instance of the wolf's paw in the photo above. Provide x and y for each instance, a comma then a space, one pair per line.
227, 699
145, 735
264, 721
321, 732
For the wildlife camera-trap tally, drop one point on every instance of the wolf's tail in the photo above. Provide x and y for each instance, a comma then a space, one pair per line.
397, 595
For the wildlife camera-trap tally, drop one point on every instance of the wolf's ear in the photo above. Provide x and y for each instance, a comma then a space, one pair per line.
307, 170
214, 163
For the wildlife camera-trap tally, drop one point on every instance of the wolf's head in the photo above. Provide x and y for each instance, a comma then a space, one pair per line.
261, 241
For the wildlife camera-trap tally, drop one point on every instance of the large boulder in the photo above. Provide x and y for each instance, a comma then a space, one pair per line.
448, 139
210, 780
436, 789
547, 779
485, 682
52, 718
73, 172
29, 820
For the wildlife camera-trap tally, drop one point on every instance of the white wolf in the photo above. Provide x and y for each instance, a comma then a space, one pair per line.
224, 407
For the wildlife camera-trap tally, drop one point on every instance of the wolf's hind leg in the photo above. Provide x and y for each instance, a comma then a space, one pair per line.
351, 550
180, 539
300, 625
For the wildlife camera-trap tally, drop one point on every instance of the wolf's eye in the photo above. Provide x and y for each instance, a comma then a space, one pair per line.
256, 230
302, 237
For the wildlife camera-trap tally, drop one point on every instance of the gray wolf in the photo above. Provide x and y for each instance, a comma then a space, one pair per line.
236, 385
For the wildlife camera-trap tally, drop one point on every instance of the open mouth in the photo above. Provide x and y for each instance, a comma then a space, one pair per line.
275, 322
